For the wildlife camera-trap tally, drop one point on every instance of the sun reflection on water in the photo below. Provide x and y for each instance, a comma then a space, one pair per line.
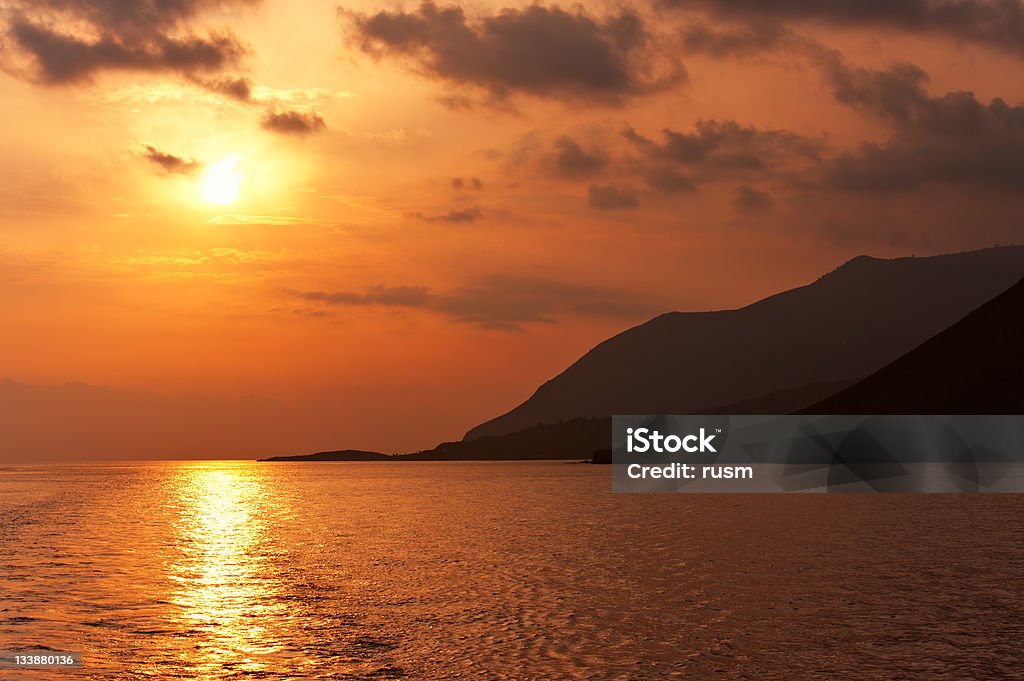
225, 592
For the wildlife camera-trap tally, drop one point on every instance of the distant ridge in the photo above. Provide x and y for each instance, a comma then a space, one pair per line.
339, 455
974, 367
847, 324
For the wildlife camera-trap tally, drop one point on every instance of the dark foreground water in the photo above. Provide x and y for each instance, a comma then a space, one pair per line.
237, 570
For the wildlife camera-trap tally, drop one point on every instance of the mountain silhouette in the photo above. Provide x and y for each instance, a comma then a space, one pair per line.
974, 367
844, 326
782, 401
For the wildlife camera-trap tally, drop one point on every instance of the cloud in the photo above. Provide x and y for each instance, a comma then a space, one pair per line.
755, 37
726, 145
571, 160
504, 302
896, 93
498, 302
68, 42
61, 42
675, 163
953, 138
538, 50
459, 184
611, 197
716, 150
293, 122
233, 87
470, 214
667, 180
169, 163
750, 200
390, 296
997, 23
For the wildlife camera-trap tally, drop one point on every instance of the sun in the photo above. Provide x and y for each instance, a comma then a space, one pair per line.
221, 181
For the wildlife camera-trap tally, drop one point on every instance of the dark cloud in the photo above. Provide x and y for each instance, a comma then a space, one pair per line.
391, 296
109, 35
571, 160
897, 93
718, 149
138, 18
234, 87
998, 23
293, 122
750, 200
611, 197
459, 183
538, 50
170, 163
679, 161
499, 302
470, 214
953, 138
668, 180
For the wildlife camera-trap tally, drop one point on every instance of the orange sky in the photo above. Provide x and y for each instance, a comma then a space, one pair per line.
439, 211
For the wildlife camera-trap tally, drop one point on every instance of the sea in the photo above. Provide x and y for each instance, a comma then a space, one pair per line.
495, 570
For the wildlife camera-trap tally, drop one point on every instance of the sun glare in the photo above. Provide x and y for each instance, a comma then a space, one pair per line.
222, 180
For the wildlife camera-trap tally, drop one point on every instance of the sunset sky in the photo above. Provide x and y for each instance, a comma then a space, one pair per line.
378, 224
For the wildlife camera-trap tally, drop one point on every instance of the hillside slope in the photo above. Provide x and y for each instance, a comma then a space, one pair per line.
974, 367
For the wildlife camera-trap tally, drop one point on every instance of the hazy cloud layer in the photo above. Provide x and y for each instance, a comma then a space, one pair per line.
59, 42
611, 197
756, 36
392, 296
538, 50
469, 214
749, 200
499, 302
998, 23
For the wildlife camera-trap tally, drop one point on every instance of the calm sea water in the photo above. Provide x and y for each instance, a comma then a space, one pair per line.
238, 570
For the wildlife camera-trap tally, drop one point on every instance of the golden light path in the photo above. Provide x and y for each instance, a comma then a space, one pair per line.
224, 590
